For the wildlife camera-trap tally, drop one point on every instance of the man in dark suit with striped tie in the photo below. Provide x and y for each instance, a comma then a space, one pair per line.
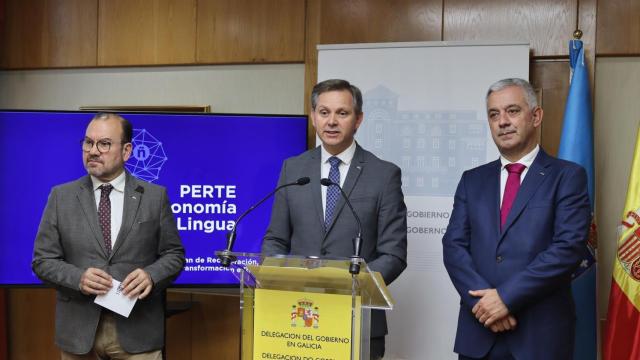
312, 220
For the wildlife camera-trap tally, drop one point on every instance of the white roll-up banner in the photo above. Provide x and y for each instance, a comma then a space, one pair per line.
424, 110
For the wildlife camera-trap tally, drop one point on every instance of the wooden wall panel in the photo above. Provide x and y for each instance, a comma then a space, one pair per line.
313, 32
546, 24
587, 15
31, 324
24, 44
246, 31
178, 329
358, 21
210, 329
552, 77
3, 312
3, 45
146, 32
618, 27
215, 327
49, 33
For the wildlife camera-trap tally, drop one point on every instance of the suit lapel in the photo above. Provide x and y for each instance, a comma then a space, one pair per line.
313, 169
493, 177
132, 200
353, 174
87, 201
532, 181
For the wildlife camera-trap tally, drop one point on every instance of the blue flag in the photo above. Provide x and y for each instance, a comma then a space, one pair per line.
576, 144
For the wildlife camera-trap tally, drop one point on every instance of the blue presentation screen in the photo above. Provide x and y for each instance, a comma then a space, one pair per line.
214, 167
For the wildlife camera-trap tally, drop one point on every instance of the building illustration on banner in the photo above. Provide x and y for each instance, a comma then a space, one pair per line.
433, 147
147, 156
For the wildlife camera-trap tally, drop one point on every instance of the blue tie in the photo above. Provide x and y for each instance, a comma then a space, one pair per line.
333, 193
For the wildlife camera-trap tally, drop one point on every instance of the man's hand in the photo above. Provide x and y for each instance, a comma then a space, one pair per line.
505, 324
137, 284
490, 308
95, 282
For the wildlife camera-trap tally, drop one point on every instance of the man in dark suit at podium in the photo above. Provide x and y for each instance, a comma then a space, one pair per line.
313, 220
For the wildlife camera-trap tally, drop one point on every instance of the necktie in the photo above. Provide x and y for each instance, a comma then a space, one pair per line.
104, 214
510, 190
333, 192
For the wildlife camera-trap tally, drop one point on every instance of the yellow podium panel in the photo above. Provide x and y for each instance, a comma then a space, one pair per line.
304, 326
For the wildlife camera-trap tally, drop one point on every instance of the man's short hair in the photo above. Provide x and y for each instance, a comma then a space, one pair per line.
529, 92
127, 128
337, 85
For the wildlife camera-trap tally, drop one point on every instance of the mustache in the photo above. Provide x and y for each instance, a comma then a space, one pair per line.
94, 158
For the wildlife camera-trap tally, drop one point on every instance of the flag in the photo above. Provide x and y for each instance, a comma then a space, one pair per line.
622, 334
576, 144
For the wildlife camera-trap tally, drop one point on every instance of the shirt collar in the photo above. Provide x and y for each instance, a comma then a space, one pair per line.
526, 160
346, 156
117, 183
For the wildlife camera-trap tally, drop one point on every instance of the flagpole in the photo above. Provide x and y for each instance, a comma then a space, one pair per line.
576, 145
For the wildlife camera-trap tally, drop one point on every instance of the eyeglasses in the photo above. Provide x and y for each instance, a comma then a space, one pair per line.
103, 146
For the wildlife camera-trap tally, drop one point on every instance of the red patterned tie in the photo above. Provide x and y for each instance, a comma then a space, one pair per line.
510, 190
104, 214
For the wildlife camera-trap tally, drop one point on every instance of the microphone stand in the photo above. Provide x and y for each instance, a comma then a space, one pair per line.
226, 257
354, 267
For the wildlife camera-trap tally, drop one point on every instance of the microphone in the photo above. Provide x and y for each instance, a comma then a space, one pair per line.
354, 268
225, 257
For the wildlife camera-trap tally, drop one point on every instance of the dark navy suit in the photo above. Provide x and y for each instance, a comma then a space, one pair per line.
529, 262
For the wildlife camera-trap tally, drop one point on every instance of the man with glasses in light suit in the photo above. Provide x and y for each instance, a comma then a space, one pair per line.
108, 226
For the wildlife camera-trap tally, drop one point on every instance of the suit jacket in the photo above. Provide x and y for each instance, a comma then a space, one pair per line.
529, 262
373, 187
69, 241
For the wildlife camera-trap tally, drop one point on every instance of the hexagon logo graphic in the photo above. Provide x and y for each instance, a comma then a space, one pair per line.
147, 156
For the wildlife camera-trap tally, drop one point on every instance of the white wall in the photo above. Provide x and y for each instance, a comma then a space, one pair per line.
617, 116
263, 89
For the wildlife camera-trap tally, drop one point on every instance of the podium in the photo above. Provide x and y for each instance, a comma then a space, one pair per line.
305, 308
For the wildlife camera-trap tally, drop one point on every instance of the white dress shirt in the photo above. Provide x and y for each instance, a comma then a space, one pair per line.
117, 202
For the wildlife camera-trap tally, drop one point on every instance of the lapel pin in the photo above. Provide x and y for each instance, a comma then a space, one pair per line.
541, 173
133, 197
359, 167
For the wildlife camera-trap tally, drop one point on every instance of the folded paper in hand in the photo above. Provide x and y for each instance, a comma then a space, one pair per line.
115, 301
